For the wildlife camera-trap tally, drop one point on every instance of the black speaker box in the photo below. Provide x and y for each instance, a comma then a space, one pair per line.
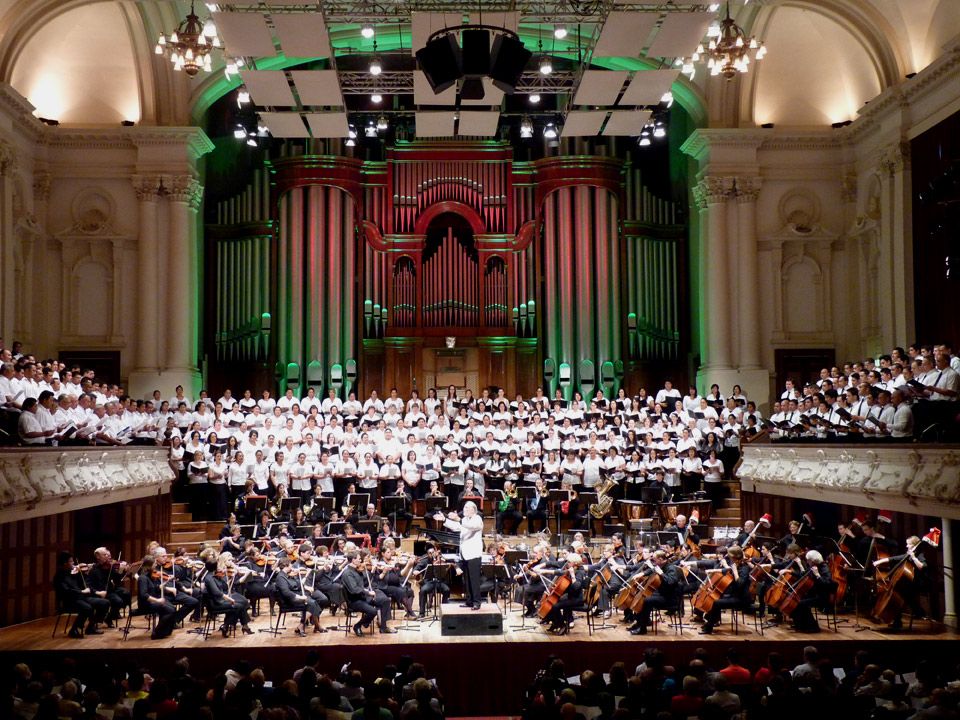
462, 622
441, 61
507, 60
476, 52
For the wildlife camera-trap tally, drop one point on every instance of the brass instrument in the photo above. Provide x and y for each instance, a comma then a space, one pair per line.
604, 504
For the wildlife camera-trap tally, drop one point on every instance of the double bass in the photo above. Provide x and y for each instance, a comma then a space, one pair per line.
890, 600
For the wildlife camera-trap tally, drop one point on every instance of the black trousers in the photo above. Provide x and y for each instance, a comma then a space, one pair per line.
562, 610
654, 602
471, 574
370, 607
429, 588
118, 598
92, 609
509, 515
537, 517
713, 617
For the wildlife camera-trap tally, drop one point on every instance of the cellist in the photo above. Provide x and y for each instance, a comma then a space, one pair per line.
909, 591
819, 596
666, 595
560, 616
737, 593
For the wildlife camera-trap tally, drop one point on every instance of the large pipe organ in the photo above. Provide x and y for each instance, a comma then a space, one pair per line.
446, 263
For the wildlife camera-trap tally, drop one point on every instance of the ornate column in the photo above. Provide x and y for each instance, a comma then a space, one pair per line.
747, 190
8, 294
949, 574
183, 194
712, 194
148, 253
897, 234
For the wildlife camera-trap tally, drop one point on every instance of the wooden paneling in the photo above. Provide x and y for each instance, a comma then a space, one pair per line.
28, 548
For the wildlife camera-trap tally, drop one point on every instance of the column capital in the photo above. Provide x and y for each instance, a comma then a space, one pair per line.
183, 189
895, 158
712, 190
747, 189
146, 187
8, 159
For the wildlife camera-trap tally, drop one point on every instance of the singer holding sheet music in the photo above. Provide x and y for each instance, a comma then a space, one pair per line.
471, 548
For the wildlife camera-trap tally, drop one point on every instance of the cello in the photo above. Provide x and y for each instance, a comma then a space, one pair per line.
648, 586
556, 591
711, 590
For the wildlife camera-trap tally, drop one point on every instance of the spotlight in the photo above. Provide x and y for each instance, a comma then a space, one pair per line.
560, 32
535, 99
714, 7
243, 97
382, 123
367, 31
546, 67
370, 131
376, 67
667, 98
526, 127
352, 132
550, 131
351, 142
644, 142
252, 140
377, 98
239, 133
659, 133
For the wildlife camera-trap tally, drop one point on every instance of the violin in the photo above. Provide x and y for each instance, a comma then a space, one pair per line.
263, 560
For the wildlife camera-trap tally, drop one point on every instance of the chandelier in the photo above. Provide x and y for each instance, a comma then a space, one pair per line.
189, 46
729, 50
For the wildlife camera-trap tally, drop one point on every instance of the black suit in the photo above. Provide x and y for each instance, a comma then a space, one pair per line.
167, 613
736, 596
69, 588
360, 599
666, 596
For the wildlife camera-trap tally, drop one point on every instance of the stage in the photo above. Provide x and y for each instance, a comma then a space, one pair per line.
478, 675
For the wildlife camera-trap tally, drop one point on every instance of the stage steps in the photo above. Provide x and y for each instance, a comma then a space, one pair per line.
184, 531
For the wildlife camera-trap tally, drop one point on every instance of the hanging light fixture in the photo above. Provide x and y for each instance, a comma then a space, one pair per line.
560, 32
367, 31
526, 127
535, 99
382, 123
376, 66
189, 46
550, 131
546, 65
729, 50
377, 98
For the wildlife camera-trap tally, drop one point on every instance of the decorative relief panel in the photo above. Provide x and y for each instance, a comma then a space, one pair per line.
53, 480
922, 481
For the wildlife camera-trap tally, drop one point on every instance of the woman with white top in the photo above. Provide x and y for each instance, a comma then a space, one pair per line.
452, 470
323, 472
672, 467
279, 470
411, 474
176, 461
301, 478
260, 473
217, 480
476, 470
389, 474
691, 475
237, 476
197, 479
571, 470
368, 473
713, 477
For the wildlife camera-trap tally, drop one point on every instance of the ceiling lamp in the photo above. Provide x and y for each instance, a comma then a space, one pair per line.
560, 32
189, 46
376, 66
367, 31
526, 127
730, 51
382, 123
546, 66
550, 131
377, 98
535, 99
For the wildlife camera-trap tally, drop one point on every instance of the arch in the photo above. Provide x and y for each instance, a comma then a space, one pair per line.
58, 64
866, 26
450, 206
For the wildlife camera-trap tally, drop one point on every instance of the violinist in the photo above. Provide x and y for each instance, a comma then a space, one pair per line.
307, 565
666, 596
530, 576
818, 596
178, 579
560, 616
362, 598
507, 508
232, 543
386, 533
737, 594
908, 590
290, 589
431, 585
262, 568
105, 579
151, 599
389, 578
537, 508
218, 589
74, 595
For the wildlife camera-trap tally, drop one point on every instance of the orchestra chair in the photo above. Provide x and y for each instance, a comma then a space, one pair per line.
674, 615
738, 616
210, 624
133, 612
281, 611
828, 613
62, 612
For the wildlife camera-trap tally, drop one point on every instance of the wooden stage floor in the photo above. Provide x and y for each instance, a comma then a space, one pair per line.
492, 671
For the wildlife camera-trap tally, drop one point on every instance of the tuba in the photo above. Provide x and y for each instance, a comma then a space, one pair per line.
602, 507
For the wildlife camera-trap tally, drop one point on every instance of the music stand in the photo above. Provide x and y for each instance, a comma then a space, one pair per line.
435, 504
557, 496
651, 495
493, 497
368, 527
255, 504
325, 503
497, 573
335, 529
358, 500
440, 575
391, 505
289, 505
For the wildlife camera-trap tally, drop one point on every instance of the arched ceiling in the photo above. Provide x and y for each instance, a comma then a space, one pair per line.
91, 61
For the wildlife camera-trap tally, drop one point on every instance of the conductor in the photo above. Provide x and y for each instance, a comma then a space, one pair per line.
471, 548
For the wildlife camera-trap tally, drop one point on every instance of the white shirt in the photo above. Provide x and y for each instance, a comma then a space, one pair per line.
471, 535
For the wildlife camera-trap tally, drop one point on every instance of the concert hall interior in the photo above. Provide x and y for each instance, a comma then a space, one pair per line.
555, 359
